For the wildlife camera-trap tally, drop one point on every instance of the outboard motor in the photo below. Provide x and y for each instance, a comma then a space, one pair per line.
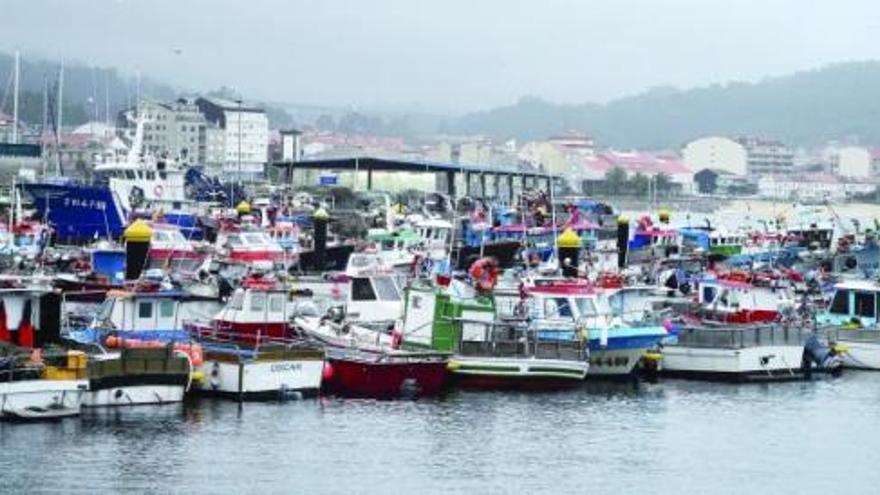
823, 356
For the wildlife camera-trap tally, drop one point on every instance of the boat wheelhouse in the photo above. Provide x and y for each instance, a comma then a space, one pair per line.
650, 241
489, 353
395, 248
170, 250
851, 320
620, 324
740, 297
374, 299
142, 354
247, 246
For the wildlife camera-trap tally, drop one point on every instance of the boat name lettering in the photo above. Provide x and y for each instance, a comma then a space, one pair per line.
285, 367
86, 203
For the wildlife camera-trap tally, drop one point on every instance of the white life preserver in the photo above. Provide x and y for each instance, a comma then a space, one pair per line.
158, 190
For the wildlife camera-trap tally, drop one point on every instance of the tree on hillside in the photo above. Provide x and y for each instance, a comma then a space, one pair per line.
663, 184
615, 178
639, 184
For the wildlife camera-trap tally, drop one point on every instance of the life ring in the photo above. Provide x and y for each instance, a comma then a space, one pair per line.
484, 274
158, 190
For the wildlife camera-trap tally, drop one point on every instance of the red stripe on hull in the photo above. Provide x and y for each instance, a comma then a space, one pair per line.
386, 380
247, 332
164, 254
248, 256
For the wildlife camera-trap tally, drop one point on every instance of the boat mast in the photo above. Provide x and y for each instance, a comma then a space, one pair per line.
553, 220
58, 126
15, 98
107, 99
45, 127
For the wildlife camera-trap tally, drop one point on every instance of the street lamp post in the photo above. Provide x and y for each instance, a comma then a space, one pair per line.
239, 141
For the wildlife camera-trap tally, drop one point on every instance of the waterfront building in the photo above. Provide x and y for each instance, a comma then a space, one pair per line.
241, 131
750, 156
852, 161
813, 187
766, 157
178, 130
716, 153
650, 165
561, 155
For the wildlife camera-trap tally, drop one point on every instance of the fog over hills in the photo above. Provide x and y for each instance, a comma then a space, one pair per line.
839, 101
811, 107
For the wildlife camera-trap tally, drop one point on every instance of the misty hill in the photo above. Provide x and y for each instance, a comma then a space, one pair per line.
837, 101
81, 83
88, 88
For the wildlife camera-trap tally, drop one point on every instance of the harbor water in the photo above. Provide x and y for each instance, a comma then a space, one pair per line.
667, 438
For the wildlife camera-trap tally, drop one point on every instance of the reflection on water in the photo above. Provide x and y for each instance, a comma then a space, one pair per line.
670, 437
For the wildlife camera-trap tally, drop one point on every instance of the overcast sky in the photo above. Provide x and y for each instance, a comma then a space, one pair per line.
444, 55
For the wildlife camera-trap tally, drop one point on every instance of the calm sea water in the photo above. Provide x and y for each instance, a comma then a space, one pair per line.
672, 437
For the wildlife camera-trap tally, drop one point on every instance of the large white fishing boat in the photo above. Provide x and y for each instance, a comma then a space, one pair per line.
124, 182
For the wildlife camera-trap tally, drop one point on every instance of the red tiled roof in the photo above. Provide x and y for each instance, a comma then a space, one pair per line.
646, 163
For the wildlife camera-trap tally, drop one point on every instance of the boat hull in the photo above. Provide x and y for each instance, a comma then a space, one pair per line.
614, 363
262, 380
861, 355
389, 380
761, 363
516, 374
134, 395
41, 399
76, 212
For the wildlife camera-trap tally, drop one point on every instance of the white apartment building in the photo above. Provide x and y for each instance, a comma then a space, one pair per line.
749, 156
174, 129
817, 187
716, 153
243, 137
852, 161
767, 157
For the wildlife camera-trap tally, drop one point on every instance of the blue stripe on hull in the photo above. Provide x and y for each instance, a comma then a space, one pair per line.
77, 212
624, 338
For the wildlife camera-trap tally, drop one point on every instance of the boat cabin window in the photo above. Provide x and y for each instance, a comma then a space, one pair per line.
258, 302
865, 306
276, 303
362, 290
105, 309
145, 309
709, 294
166, 309
557, 306
237, 301
234, 241
585, 306
840, 303
386, 289
129, 174
253, 239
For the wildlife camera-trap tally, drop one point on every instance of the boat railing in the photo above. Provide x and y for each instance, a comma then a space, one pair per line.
253, 346
515, 339
836, 334
21, 372
740, 338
